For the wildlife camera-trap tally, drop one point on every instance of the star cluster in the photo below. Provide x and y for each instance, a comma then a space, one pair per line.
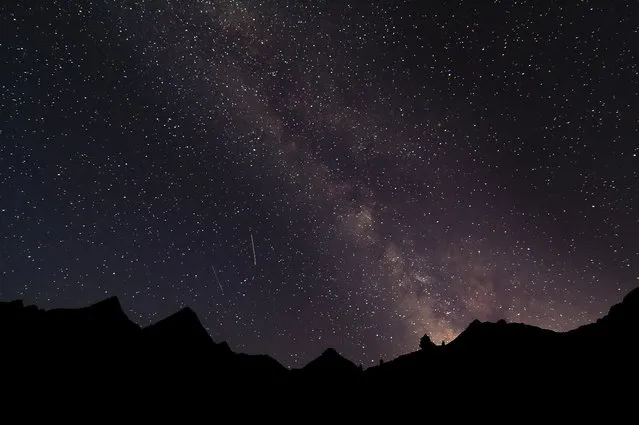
326, 173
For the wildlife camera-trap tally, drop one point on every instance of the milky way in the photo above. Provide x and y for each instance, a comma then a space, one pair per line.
314, 174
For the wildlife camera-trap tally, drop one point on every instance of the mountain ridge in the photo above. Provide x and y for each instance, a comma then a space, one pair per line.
99, 347
110, 310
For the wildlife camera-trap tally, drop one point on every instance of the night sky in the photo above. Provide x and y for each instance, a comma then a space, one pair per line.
308, 174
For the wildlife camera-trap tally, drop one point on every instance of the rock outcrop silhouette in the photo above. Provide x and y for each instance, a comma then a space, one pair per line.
425, 343
97, 348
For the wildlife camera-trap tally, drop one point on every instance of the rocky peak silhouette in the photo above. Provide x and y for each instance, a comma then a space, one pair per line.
329, 361
182, 328
425, 343
98, 346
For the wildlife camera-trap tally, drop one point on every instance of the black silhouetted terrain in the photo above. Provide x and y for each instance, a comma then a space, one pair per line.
330, 365
96, 350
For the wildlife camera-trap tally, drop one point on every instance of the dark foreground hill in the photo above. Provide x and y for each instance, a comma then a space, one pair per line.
98, 353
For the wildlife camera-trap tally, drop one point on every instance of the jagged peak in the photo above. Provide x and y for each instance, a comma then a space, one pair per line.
474, 324
224, 346
330, 352
330, 359
183, 317
470, 330
186, 312
180, 324
109, 305
479, 330
332, 355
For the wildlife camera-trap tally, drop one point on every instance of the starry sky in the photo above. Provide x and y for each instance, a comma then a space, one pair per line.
313, 174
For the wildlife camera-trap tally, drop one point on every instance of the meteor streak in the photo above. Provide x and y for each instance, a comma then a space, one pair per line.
253, 246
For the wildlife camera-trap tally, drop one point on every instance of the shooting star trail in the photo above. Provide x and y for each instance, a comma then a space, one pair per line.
217, 279
253, 245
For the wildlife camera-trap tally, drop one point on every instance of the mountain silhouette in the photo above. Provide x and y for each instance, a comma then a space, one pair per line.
182, 334
330, 365
95, 348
